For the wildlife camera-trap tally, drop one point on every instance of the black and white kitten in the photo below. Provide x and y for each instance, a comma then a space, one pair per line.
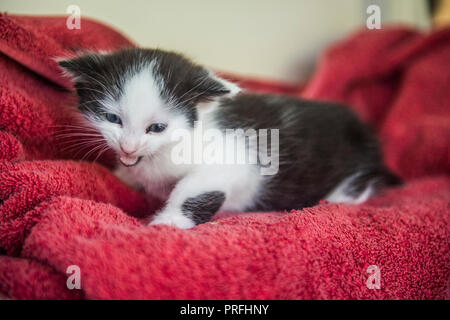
139, 99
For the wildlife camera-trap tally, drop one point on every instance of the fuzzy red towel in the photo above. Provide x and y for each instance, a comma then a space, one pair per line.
58, 211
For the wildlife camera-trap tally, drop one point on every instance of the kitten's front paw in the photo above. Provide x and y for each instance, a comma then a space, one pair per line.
175, 219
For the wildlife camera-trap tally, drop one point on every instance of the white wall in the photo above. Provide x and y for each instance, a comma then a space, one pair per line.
278, 39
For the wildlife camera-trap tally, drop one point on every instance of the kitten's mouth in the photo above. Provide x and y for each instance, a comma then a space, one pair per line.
129, 161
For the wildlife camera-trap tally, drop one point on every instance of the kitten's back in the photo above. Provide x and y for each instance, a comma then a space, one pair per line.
322, 146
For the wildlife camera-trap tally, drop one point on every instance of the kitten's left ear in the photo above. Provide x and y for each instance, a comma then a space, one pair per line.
228, 88
212, 87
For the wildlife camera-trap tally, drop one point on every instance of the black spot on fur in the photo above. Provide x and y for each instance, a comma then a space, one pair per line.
201, 208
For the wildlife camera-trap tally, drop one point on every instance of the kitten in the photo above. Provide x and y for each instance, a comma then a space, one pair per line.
139, 99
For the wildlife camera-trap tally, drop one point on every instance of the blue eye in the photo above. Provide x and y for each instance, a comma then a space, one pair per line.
113, 118
156, 127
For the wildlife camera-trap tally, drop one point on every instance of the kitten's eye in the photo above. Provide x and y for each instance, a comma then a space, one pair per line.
156, 127
111, 117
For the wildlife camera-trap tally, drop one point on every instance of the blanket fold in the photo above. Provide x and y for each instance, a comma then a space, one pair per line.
60, 206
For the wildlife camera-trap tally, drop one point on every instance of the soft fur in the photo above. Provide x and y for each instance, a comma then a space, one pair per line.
321, 150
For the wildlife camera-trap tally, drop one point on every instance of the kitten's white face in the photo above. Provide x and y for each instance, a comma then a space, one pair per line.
137, 98
140, 122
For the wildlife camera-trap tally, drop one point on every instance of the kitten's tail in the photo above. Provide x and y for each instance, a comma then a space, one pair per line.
387, 178
362, 185
376, 179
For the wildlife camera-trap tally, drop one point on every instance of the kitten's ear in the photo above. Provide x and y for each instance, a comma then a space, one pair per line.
212, 87
71, 68
78, 67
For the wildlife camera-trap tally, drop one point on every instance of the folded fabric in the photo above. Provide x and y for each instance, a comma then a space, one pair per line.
396, 80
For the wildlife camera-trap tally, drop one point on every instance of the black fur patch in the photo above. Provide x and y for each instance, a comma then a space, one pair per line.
98, 76
320, 145
202, 207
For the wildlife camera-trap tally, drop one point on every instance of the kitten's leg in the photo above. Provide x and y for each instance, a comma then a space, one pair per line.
195, 199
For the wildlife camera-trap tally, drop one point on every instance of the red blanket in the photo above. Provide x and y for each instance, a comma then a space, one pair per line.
57, 211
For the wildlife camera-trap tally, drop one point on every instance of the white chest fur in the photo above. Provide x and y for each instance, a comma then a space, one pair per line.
159, 174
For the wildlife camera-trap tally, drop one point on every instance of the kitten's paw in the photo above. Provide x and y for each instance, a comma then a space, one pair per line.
175, 219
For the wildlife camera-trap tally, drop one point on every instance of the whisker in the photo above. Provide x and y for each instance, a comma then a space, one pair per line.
101, 152
83, 142
67, 144
75, 135
78, 146
92, 151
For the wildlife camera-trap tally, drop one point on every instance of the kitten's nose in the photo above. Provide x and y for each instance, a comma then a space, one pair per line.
128, 149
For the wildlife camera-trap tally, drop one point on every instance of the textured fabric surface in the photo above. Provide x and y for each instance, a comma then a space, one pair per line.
58, 209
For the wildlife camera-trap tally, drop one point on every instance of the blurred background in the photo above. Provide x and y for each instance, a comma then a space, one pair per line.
279, 40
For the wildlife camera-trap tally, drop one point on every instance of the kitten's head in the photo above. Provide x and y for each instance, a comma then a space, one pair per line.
136, 98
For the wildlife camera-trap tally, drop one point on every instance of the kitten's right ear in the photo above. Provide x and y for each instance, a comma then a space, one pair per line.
78, 67
71, 68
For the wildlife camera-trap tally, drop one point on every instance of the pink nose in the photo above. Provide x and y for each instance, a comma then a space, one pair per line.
128, 149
